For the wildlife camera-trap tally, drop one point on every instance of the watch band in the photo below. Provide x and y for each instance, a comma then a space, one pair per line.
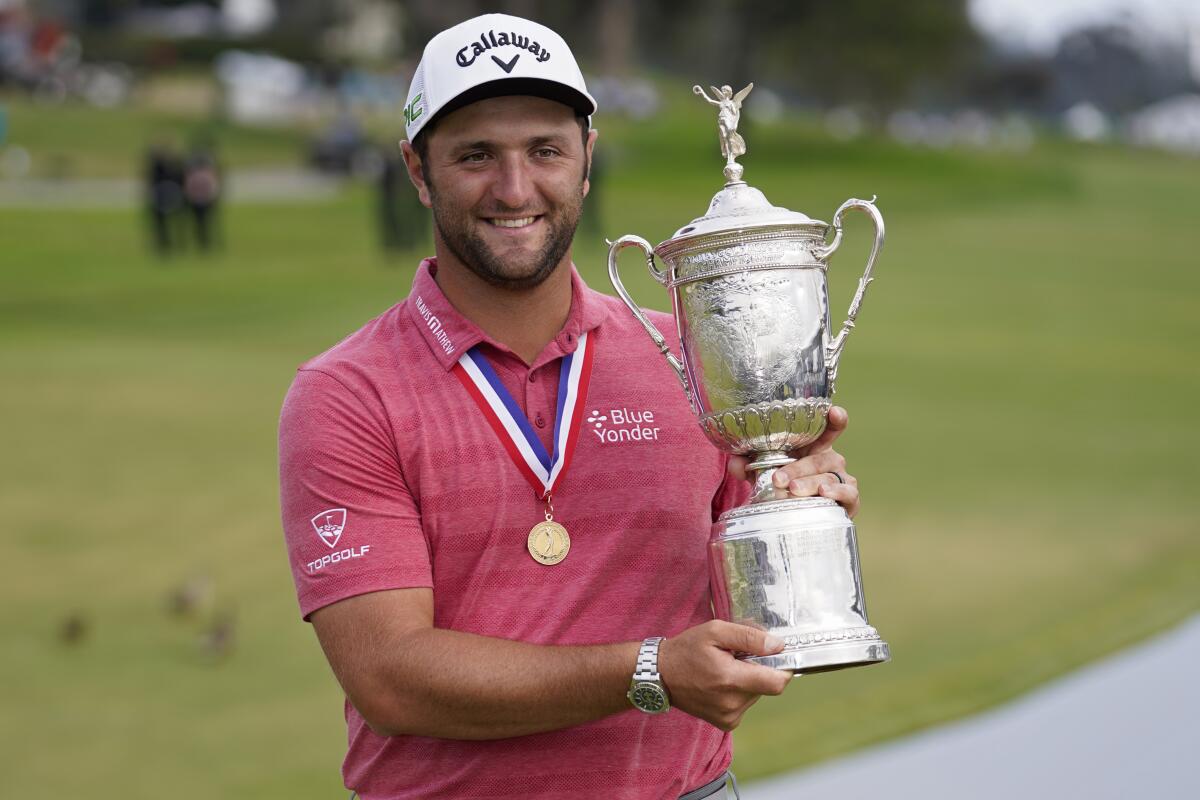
647, 662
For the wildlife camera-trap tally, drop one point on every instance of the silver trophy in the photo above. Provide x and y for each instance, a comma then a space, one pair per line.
747, 284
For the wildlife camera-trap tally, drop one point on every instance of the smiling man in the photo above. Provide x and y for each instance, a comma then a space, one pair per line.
513, 607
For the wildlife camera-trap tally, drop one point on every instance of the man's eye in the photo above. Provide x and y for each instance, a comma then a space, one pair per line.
474, 158
546, 152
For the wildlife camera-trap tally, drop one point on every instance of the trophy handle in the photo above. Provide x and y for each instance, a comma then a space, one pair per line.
833, 352
659, 275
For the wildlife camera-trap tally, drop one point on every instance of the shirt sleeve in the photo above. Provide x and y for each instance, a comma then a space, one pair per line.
350, 522
730, 494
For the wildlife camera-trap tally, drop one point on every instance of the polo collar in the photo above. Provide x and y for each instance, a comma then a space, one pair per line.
449, 334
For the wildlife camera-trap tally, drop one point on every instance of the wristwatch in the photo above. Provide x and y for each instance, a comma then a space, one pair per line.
646, 690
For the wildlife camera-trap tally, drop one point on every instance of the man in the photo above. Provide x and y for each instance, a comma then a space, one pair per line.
485, 570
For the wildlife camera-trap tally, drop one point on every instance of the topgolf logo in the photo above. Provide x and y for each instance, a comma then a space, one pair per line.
329, 525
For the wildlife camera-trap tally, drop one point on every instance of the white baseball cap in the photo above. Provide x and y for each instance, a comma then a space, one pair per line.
490, 56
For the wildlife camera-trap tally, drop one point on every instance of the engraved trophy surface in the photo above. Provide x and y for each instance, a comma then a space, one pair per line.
759, 364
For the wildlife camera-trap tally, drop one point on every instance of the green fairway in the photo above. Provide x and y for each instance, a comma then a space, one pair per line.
1021, 386
70, 141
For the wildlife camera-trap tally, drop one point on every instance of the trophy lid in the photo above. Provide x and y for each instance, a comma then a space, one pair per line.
738, 206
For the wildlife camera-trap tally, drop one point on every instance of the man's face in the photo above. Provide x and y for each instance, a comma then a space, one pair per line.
506, 182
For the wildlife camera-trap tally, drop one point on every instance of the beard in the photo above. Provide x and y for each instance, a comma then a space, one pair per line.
457, 227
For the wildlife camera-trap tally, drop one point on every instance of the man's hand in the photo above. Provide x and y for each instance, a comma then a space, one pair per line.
813, 471
706, 681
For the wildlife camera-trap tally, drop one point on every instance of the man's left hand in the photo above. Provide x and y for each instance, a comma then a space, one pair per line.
816, 470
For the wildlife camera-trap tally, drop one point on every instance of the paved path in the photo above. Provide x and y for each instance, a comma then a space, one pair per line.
243, 186
1124, 727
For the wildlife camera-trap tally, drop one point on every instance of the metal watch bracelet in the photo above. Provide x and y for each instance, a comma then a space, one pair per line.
647, 662
647, 691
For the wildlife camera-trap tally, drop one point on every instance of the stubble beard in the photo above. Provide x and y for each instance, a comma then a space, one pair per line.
454, 226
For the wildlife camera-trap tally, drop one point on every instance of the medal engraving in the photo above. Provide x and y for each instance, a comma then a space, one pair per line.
548, 543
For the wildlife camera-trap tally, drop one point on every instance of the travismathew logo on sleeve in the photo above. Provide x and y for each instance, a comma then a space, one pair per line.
492, 40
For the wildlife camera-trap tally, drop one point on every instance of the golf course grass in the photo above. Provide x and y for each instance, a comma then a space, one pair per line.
1022, 388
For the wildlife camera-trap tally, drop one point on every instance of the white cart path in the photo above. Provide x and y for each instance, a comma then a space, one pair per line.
1124, 727
243, 186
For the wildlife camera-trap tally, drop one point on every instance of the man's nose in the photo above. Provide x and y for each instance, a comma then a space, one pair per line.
514, 184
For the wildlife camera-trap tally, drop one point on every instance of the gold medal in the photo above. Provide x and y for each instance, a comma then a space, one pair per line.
548, 542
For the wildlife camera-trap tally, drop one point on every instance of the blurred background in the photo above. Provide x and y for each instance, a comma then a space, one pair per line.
197, 196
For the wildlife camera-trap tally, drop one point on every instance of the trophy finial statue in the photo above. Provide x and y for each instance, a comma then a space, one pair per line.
729, 113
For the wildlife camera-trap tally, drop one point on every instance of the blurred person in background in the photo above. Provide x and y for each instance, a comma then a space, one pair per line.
164, 196
201, 192
480, 656
593, 221
402, 218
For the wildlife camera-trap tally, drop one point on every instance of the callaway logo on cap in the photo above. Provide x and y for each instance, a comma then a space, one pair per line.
491, 56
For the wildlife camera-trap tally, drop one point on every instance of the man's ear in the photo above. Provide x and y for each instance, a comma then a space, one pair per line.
412, 162
591, 144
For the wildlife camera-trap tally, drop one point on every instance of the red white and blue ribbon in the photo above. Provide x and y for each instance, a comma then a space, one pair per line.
543, 470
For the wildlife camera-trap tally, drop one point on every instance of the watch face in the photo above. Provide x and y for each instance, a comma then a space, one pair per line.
649, 697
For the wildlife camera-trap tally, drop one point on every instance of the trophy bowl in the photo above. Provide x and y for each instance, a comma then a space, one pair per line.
759, 364
752, 312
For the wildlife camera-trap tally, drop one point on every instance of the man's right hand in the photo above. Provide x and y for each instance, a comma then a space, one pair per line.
706, 681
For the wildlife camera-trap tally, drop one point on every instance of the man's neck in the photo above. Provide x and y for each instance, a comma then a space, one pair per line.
524, 320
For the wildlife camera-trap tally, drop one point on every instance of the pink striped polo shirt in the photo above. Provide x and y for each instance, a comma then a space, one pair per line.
391, 478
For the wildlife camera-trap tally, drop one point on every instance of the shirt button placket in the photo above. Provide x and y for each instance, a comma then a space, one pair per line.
531, 400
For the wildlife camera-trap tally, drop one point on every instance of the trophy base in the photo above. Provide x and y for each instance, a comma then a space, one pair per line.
826, 658
790, 568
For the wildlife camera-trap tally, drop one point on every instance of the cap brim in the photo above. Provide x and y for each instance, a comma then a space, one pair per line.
505, 87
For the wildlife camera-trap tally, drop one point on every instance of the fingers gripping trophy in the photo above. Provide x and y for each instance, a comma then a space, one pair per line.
759, 363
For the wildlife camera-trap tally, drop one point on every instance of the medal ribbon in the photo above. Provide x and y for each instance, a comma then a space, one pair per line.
543, 470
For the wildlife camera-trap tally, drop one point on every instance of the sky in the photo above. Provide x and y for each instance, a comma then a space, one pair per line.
1037, 25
